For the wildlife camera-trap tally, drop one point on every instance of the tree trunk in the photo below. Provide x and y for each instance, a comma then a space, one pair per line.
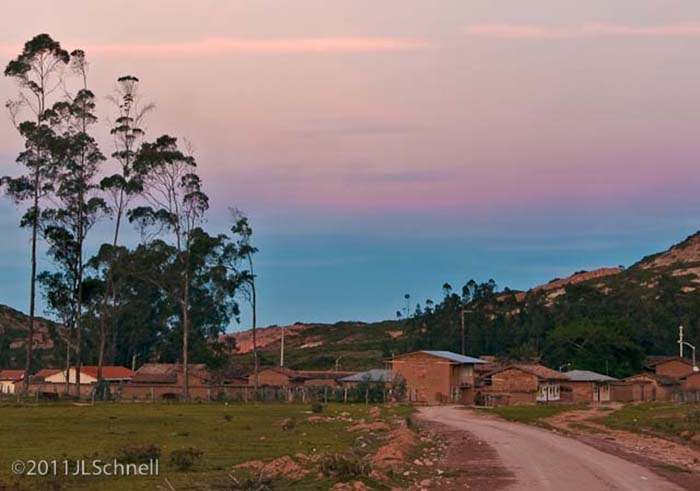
32, 288
185, 336
256, 365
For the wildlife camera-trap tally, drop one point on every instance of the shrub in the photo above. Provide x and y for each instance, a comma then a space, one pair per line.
316, 407
343, 467
288, 424
139, 454
186, 458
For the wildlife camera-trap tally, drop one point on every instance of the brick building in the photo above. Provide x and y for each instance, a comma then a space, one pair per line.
437, 376
668, 366
586, 386
8, 378
166, 381
286, 377
648, 387
521, 384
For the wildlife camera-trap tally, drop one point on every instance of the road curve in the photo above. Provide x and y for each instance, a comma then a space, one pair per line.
542, 460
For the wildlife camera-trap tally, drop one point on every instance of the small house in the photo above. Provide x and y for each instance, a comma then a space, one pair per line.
166, 381
8, 379
521, 384
587, 386
649, 387
435, 377
668, 366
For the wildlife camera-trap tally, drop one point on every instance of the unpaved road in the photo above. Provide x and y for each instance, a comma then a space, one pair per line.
541, 460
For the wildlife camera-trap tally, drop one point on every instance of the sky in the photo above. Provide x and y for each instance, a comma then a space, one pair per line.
386, 147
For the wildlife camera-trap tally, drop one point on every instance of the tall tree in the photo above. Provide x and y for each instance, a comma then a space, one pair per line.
243, 231
121, 188
176, 203
78, 205
38, 70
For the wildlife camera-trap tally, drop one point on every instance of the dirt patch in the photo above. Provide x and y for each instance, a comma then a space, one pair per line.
282, 467
394, 453
354, 486
376, 426
465, 462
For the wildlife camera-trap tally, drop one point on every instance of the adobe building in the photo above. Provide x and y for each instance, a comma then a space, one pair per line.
52, 381
521, 384
647, 387
166, 381
283, 377
8, 378
434, 377
668, 366
585, 386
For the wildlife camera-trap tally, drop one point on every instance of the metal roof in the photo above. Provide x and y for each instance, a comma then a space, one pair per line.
587, 376
449, 355
374, 375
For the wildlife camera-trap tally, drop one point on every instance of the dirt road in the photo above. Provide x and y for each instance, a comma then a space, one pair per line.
541, 460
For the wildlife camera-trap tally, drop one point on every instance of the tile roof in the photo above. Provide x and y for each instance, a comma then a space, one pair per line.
374, 375
12, 375
588, 376
540, 371
108, 372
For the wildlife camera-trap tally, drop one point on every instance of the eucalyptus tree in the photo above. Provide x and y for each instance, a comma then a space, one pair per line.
176, 203
121, 188
38, 70
242, 233
77, 200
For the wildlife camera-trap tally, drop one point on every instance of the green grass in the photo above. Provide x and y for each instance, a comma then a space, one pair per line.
664, 419
228, 435
531, 414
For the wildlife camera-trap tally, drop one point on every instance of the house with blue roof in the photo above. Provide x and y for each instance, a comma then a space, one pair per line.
437, 377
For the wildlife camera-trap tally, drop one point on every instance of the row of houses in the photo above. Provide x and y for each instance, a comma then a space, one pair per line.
425, 376
443, 377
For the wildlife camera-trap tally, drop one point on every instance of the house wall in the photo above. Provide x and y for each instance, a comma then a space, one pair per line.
271, 377
648, 389
673, 368
428, 378
321, 382
60, 377
7, 387
511, 387
692, 382
579, 391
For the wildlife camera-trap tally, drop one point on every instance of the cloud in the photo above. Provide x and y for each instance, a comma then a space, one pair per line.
230, 46
535, 32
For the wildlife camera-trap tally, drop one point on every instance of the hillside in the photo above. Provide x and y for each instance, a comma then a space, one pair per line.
625, 313
13, 329
636, 310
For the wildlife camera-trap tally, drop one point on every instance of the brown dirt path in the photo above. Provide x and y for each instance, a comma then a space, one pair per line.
543, 460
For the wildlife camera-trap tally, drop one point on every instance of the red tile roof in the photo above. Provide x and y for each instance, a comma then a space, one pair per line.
108, 372
46, 372
12, 375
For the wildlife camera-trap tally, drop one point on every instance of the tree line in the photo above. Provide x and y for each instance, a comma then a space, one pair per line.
169, 297
609, 330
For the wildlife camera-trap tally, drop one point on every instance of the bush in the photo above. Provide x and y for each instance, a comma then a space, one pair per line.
343, 467
316, 407
186, 458
288, 424
139, 454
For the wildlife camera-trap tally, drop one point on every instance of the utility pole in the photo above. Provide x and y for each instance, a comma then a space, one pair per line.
282, 348
462, 312
682, 343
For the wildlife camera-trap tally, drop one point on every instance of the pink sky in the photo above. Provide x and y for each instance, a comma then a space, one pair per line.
519, 140
401, 106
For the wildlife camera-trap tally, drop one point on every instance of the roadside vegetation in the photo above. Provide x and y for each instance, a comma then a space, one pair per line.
198, 445
531, 414
662, 419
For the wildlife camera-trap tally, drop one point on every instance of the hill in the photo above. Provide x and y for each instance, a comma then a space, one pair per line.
13, 332
606, 319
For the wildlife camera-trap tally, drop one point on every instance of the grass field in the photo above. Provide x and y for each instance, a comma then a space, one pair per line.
227, 434
530, 414
665, 419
